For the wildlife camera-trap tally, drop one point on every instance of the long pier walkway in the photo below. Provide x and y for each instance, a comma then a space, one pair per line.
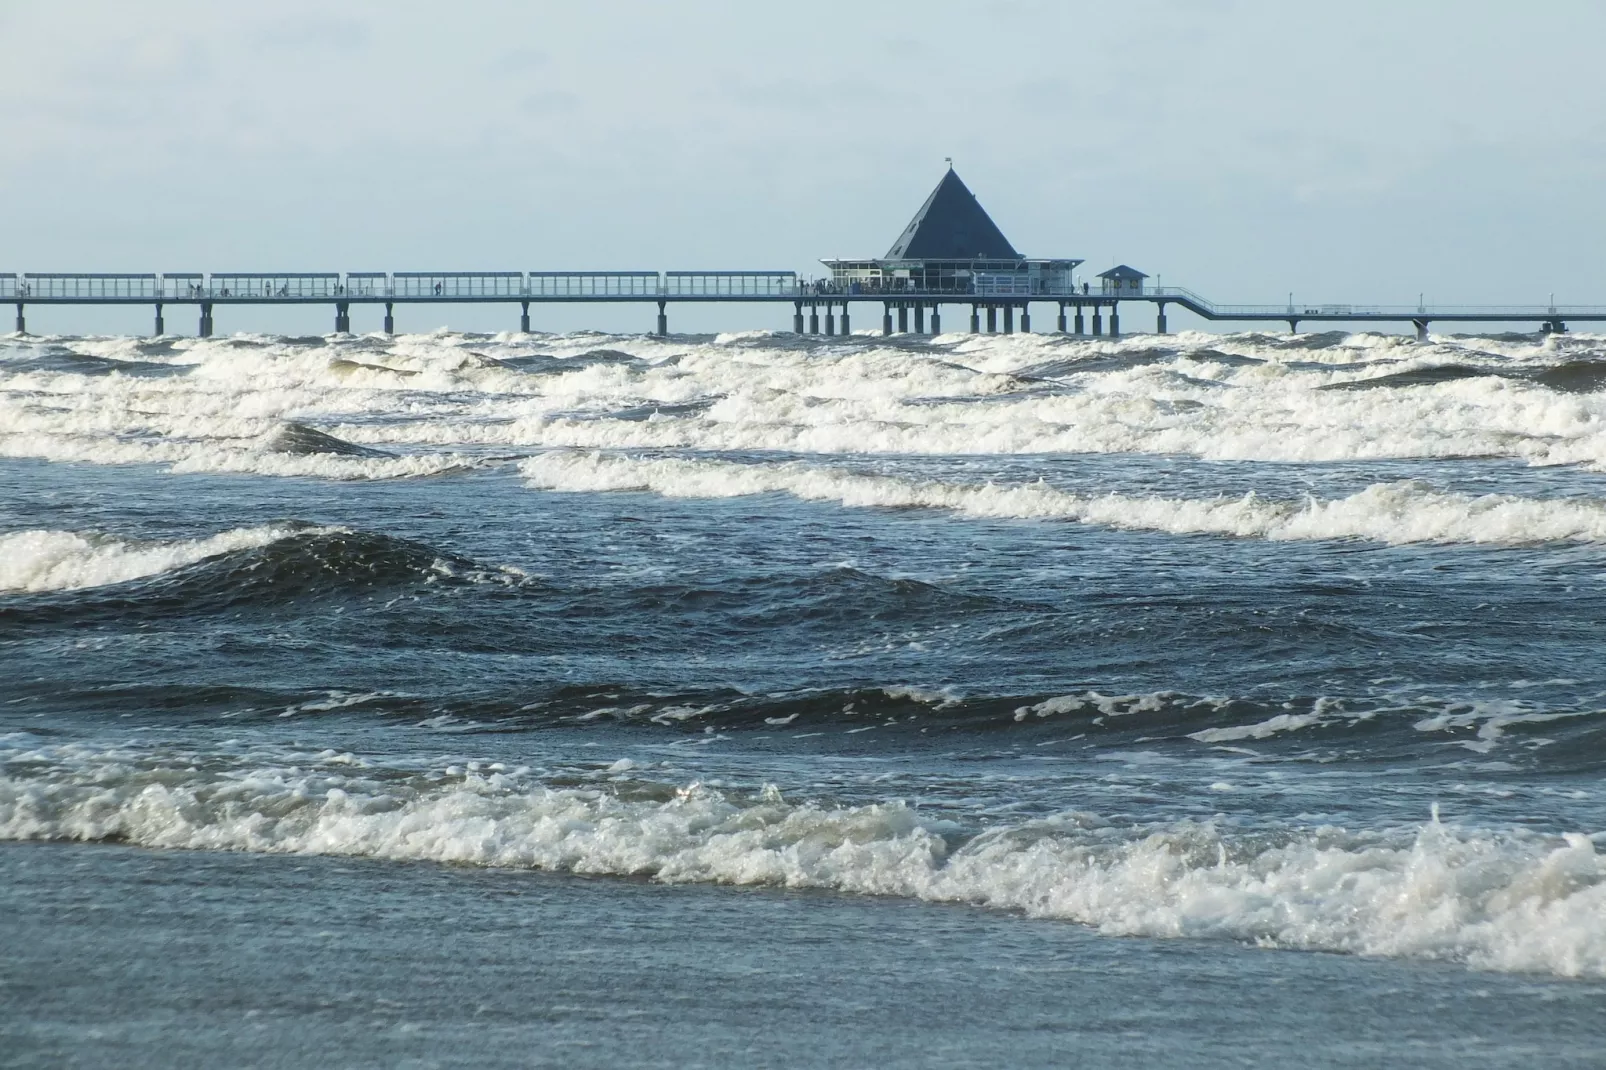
1079, 312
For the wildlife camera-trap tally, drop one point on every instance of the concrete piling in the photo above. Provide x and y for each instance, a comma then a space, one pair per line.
663, 319
161, 328
975, 319
390, 317
524, 317
886, 319
797, 317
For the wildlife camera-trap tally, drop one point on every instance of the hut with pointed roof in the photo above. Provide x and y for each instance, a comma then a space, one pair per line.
952, 247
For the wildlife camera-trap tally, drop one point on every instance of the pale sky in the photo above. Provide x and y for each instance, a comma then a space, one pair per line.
1361, 151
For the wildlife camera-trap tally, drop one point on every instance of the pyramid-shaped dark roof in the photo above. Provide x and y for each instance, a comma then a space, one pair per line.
951, 225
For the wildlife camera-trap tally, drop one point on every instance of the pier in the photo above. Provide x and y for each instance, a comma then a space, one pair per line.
950, 254
818, 306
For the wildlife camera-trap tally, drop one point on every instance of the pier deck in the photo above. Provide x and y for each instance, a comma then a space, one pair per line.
343, 290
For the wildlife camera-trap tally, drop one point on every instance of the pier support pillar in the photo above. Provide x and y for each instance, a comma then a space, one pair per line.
524, 317
1159, 320
1098, 319
390, 317
903, 318
1079, 326
22, 321
1422, 329
342, 318
814, 319
845, 330
161, 328
663, 319
206, 319
992, 319
886, 319
1009, 319
936, 319
1115, 321
920, 317
1293, 326
975, 319
797, 317
830, 319
1060, 323
1026, 319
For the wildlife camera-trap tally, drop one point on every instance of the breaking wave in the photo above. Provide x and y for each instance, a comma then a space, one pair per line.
273, 561
1395, 513
1493, 900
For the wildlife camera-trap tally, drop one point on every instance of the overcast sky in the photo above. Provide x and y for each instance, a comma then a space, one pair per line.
1346, 151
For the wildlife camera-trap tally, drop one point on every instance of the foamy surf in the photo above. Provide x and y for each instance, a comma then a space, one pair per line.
1246, 397
1492, 900
1395, 513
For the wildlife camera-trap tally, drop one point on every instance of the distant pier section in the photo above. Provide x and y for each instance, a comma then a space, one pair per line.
950, 254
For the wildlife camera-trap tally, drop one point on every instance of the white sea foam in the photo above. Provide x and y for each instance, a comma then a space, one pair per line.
1400, 512
966, 395
1504, 901
40, 560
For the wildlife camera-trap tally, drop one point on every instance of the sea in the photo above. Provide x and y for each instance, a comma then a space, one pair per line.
740, 700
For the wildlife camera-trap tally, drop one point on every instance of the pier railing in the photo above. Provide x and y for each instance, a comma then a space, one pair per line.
459, 284
731, 283
593, 284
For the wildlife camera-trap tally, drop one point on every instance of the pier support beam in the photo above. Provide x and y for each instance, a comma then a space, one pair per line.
1159, 320
1026, 319
1098, 319
830, 319
1079, 330
903, 318
992, 319
1115, 320
1422, 329
206, 319
845, 330
975, 319
342, 318
161, 328
22, 321
1293, 326
920, 317
936, 319
663, 319
886, 319
1060, 324
524, 317
797, 317
814, 319
390, 317
1009, 319
1547, 327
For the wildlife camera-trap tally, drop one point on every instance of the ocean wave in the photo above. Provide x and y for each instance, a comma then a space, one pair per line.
1233, 397
1395, 513
44, 560
270, 561
1496, 900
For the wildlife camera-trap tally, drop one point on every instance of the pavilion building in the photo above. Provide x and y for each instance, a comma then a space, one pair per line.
951, 252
